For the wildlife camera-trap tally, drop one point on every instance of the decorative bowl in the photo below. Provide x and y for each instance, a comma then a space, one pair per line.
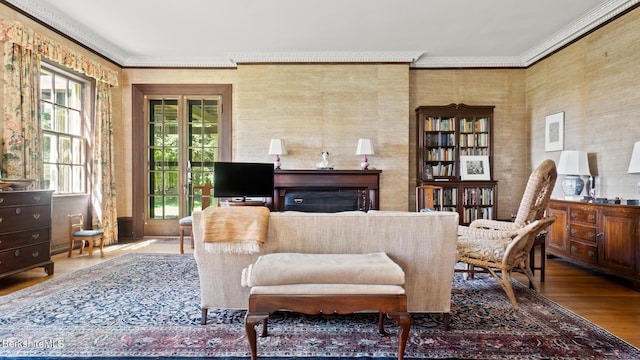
18, 183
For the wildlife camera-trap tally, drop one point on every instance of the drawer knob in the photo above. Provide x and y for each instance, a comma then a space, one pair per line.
18, 211
0, 219
573, 214
17, 252
35, 254
36, 216
36, 197
591, 234
591, 216
573, 231
1, 200
590, 253
573, 248
35, 236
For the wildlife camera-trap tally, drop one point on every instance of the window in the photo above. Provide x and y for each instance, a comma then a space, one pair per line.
65, 126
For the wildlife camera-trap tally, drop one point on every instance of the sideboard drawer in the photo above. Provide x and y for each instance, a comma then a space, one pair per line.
15, 218
586, 253
24, 257
587, 233
583, 215
24, 238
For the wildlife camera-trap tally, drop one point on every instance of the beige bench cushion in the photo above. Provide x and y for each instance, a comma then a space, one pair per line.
297, 268
327, 289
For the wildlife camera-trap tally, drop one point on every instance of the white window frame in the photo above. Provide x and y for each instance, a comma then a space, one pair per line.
67, 169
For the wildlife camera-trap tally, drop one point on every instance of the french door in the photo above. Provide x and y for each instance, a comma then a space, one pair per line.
182, 142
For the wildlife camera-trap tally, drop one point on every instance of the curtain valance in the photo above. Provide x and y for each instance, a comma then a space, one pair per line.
17, 33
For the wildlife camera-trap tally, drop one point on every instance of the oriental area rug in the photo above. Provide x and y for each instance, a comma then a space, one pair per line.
147, 306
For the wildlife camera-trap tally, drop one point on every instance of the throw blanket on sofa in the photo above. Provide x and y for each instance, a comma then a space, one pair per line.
234, 229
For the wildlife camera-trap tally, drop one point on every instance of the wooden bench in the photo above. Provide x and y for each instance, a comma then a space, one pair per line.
329, 292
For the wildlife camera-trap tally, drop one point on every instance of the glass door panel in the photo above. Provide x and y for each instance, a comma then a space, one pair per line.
182, 135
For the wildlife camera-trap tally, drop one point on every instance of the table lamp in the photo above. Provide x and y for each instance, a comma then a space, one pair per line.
365, 147
277, 148
573, 164
634, 164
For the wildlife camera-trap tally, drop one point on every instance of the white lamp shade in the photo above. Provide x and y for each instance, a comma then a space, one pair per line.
277, 147
634, 164
573, 162
365, 147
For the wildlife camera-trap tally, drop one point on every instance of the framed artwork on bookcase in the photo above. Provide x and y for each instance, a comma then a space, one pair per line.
475, 167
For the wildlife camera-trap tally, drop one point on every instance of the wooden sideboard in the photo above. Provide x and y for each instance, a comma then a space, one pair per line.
25, 231
605, 237
367, 181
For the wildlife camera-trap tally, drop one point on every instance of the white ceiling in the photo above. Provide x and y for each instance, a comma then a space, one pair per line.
222, 33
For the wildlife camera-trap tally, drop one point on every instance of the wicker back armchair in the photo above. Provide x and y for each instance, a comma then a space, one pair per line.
532, 206
504, 254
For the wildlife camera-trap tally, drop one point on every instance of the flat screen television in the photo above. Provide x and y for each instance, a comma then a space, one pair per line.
242, 180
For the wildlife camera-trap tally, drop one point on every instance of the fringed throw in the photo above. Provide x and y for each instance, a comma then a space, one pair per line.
234, 229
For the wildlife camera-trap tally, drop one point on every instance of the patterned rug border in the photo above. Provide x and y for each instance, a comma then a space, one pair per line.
481, 346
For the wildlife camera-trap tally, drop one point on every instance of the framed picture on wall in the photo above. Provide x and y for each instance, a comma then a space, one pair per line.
475, 167
554, 132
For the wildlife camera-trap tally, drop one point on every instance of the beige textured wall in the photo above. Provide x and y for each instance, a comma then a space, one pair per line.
596, 82
321, 107
502, 88
312, 107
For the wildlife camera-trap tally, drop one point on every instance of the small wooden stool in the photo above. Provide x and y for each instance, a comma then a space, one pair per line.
331, 296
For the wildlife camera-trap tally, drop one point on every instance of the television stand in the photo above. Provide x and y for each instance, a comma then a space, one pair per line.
242, 203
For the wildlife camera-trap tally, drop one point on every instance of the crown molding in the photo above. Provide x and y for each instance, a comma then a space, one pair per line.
327, 57
467, 62
417, 59
178, 62
77, 33
598, 16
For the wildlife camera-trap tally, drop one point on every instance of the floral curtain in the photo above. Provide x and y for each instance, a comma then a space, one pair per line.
22, 137
104, 187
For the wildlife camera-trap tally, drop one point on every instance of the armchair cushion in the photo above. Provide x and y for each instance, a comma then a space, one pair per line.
483, 249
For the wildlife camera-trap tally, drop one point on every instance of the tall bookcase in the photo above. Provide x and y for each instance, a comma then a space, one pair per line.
444, 134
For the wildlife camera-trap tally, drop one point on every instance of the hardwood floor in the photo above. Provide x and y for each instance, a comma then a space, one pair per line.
601, 299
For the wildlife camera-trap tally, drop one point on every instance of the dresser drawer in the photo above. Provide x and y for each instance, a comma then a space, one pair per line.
9, 198
583, 215
584, 252
587, 233
17, 218
24, 238
24, 257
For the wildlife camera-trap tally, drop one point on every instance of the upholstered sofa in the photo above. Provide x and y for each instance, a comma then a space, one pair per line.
423, 244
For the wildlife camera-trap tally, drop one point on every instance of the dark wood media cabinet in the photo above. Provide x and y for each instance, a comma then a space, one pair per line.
367, 181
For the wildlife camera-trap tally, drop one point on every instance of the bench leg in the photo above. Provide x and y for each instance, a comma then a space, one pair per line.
381, 324
446, 318
250, 321
403, 319
203, 319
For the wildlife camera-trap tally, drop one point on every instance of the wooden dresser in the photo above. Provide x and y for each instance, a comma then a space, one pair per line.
25, 231
604, 237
